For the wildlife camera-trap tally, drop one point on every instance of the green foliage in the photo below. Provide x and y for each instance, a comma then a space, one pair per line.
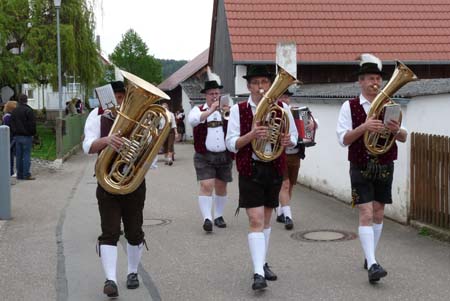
47, 150
28, 47
169, 67
131, 55
424, 231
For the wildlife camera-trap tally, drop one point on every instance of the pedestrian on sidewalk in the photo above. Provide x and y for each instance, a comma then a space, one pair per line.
23, 128
6, 119
170, 141
259, 181
212, 161
370, 176
113, 208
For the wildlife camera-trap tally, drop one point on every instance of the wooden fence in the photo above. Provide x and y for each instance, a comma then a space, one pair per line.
430, 178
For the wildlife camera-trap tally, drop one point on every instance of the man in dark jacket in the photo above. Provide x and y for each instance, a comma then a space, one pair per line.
23, 128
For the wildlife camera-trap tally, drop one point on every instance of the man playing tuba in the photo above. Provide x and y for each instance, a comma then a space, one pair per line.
115, 207
371, 176
259, 181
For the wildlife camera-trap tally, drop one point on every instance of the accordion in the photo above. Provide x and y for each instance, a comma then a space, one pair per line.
303, 120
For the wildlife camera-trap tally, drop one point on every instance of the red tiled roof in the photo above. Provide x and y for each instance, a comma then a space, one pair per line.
340, 30
185, 72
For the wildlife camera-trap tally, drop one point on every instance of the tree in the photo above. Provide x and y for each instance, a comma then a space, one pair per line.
131, 55
28, 42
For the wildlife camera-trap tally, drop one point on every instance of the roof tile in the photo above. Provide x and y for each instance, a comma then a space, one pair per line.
339, 30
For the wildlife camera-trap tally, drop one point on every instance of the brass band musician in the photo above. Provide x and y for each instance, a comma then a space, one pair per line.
371, 176
212, 161
259, 181
114, 208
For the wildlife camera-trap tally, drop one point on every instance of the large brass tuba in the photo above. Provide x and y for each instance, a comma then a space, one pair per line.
380, 143
144, 126
268, 112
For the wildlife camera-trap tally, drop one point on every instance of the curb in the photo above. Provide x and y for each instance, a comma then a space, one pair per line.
435, 232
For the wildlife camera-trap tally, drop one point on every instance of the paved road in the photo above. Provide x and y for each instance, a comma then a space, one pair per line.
47, 251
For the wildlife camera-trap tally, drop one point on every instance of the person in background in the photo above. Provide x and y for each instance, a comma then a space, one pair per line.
6, 120
212, 161
294, 155
23, 128
170, 141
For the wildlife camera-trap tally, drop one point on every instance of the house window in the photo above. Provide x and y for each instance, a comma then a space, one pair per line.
30, 94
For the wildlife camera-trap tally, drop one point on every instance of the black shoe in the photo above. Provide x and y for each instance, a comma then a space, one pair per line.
288, 223
268, 274
280, 218
110, 289
207, 225
132, 281
365, 264
376, 272
259, 282
220, 222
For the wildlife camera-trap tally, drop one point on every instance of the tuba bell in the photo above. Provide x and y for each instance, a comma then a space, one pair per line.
144, 126
270, 114
380, 143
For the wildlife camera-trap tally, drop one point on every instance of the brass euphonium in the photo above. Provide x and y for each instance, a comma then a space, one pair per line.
380, 143
144, 126
270, 114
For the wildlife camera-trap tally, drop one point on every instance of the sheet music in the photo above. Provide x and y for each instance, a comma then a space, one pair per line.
105, 95
391, 112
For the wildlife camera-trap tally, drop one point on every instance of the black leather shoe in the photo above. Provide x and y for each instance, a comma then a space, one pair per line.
288, 223
219, 222
132, 281
376, 272
259, 282
280, 218
268, 274
207, 225
110, 289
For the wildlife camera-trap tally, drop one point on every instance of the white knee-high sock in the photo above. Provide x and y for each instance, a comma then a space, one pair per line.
267, 238
367, 243
377, 228
287, 211
108, 254
219, 202
257, 245
279, 210
205, 203
134, 254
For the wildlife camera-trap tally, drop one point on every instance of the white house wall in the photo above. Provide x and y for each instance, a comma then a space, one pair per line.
326, 167
239, 82
186, 103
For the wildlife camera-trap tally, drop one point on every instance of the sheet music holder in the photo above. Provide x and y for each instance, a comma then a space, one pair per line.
106, 97
391, 112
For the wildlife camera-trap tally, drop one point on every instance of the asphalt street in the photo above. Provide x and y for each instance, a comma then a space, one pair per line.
48, 248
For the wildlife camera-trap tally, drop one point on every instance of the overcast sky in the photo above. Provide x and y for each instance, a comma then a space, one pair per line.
172, 29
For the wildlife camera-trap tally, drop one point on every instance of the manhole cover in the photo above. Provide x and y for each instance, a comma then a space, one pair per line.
151, 222
323, 235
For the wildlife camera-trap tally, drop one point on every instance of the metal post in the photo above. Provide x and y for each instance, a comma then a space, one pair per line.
59, 124
5, 177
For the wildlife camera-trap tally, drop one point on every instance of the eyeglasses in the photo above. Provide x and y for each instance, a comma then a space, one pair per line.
259, 82
213, 94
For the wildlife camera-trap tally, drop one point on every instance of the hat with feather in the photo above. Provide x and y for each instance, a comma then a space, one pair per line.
369, 64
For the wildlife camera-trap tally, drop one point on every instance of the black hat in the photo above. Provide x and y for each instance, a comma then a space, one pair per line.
211, 84
369, 68
118, 86
257, 70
